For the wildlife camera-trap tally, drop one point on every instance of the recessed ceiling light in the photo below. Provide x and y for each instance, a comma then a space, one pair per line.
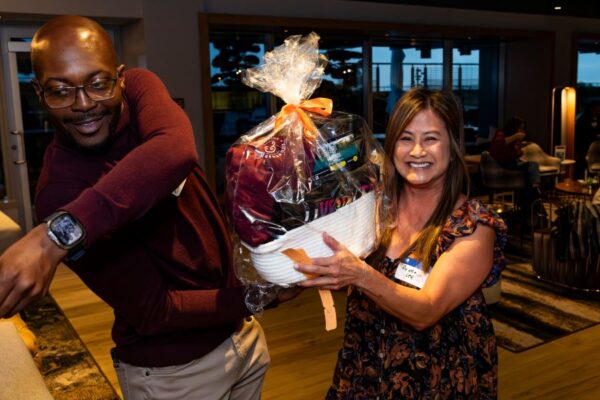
558, 8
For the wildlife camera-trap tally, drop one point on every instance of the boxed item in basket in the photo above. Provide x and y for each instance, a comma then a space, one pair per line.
304, 171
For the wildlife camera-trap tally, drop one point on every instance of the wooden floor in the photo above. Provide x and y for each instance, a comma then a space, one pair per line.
303, 354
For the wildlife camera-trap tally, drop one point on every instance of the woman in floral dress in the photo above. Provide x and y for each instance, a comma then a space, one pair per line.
417, 326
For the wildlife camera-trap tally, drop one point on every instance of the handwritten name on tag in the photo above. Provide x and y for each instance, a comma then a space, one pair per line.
411, 271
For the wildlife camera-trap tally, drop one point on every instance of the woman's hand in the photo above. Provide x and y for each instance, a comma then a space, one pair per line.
337, 271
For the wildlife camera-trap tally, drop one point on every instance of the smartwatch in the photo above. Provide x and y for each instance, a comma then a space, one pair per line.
67, 233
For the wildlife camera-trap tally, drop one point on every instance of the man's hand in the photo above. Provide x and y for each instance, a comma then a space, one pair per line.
26, 270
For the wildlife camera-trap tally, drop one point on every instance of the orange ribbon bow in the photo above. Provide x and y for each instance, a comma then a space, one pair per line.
320, 105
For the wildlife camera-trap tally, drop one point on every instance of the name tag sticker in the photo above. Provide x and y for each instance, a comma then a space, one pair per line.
411, 271
177, 191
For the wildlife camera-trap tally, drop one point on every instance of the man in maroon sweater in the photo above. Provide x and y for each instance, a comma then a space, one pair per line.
130, 211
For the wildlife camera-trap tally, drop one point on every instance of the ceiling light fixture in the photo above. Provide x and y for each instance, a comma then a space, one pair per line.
558, 8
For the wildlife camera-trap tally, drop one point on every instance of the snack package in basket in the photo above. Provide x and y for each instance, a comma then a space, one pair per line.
305, 171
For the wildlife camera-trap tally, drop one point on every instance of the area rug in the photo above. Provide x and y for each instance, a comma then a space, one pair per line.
69, 370
532, 312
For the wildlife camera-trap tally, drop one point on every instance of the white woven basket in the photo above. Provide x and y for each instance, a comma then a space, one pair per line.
352, 225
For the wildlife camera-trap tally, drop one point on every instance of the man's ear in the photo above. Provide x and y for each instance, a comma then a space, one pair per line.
38, 88
120, 76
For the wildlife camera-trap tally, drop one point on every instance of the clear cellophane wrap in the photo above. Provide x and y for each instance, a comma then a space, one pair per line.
305, 171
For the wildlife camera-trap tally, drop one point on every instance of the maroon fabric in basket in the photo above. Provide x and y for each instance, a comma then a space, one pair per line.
253, 174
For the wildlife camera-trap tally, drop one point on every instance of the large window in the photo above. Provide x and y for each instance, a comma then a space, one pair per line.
236, 108
587, 126
475, 82
394, 66
343, 80
588, 69
465, 83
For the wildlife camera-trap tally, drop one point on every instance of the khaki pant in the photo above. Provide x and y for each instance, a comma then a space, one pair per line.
233, 371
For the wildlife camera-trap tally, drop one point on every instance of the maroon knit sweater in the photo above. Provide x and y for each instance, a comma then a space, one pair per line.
162, 262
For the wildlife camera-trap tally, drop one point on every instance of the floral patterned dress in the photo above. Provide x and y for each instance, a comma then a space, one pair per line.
383, 358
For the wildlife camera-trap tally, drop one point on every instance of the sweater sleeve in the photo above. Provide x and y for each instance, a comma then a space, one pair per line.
150, 171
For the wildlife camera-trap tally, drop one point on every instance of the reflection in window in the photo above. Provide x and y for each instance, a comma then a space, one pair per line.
343, 79
465, 84
475, 82
236, 107
395, 69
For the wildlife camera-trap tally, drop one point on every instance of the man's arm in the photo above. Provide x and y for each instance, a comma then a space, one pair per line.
144, 176
147, 174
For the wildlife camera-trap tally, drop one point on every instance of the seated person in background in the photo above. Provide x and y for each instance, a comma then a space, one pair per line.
505, 148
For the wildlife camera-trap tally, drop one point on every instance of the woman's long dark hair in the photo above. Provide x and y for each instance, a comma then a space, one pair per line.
446, 106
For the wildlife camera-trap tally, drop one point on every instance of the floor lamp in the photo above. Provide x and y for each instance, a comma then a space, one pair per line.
563, 118
563, 126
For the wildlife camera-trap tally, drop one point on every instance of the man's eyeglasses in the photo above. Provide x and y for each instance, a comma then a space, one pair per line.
62, 96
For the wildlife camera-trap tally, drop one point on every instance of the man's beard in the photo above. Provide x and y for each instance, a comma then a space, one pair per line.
99, 148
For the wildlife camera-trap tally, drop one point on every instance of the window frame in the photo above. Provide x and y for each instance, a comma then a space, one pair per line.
369, 31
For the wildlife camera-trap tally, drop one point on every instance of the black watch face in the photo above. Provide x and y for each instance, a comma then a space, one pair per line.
66, 230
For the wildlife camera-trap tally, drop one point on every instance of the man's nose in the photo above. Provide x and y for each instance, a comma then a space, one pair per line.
82, 101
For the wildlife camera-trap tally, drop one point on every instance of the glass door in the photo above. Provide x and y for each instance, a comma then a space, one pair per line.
587, 126
28, 128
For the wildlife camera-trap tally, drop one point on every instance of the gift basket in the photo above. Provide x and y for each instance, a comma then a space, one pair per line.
305, 171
